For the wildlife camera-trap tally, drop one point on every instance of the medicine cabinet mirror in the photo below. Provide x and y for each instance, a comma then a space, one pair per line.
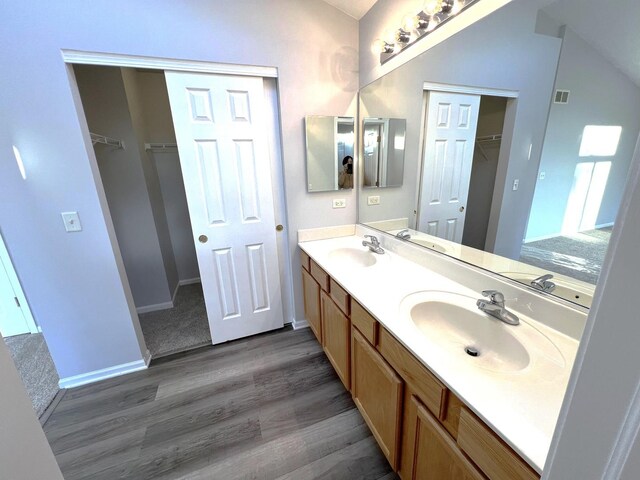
330, 142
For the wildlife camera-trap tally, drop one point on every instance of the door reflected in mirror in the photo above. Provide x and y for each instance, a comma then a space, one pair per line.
383, 152
330, 142
516, 148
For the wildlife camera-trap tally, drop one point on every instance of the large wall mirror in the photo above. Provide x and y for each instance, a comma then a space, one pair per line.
520, 131
329, 153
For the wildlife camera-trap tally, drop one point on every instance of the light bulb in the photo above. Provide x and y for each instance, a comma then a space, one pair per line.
410, 22
381, 46
402, 36
432, 7
457, 6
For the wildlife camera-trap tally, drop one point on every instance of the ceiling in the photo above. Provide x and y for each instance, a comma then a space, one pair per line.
353, 8
610, 27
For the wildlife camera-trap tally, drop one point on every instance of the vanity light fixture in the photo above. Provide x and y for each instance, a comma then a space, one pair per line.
434, 13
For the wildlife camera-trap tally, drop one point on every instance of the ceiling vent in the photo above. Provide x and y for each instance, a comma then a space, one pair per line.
561, 97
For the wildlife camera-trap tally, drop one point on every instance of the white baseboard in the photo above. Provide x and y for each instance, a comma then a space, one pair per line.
154, 308
542, 237
97, 375
298, 324
189, 281
147, 357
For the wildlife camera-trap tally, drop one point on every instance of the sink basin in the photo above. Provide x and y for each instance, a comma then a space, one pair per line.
454, 323
353, 257
568, 291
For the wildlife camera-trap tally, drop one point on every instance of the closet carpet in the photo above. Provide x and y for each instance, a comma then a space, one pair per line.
35, 366
183, 327
266, 407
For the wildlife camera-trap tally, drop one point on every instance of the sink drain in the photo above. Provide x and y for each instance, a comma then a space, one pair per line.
472, 351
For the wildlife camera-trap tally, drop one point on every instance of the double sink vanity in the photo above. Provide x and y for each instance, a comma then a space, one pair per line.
459, 373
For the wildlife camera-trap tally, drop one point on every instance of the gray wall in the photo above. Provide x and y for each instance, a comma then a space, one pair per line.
501, 51
483, 172
158, 127
24, 450
106, 106
600, 95
73, 281
152, 182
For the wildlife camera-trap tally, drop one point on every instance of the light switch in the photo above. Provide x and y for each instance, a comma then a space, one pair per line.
71, 221
339, 203
516, 184
543, 175
373, 200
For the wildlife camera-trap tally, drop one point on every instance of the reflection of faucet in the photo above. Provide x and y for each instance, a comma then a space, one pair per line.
544, 283
374, 244
496, 307
403, 234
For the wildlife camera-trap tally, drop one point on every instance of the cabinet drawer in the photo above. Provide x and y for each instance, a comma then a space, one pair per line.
451, 411
305, 260
494, 457
340, 296
430, 390
364, 322
320, 275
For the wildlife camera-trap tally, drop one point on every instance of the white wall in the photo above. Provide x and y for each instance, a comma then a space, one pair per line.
501, 51
73, 280
600, 95
106, 106
24, 450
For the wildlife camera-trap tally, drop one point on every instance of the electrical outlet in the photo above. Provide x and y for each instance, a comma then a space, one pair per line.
516, 184
339, 203
71, 221
543, 175
373, 200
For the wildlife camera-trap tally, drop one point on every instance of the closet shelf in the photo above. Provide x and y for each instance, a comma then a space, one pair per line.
104, 140
489, 138
160, 147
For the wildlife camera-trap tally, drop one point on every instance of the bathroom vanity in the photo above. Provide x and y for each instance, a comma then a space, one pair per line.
447, 390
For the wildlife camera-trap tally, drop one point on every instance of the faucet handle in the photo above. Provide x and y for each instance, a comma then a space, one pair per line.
495, 296
373, 239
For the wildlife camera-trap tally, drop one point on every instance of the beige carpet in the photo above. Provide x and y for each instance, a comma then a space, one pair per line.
178, 329
35, 366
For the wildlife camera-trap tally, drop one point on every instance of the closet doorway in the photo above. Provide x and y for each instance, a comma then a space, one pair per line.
193, 281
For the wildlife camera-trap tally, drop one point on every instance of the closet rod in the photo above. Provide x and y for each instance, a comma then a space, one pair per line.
489, 138
104, 140
160, 147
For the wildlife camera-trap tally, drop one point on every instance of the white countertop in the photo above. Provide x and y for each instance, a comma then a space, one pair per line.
522, 407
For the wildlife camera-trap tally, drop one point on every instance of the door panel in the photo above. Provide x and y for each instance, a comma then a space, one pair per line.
12, 319
220, 123
451, 125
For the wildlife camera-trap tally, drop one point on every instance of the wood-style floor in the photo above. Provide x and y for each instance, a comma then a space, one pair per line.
267, 407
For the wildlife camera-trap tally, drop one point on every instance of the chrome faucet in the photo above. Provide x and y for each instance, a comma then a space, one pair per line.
495, 307
544, 283
374, 244
403, 234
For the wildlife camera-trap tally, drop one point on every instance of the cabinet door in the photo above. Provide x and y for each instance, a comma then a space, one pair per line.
336, 331
435, 454
311, 291
377, 392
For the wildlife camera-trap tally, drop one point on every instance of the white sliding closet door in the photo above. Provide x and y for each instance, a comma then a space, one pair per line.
221, 124
451, 123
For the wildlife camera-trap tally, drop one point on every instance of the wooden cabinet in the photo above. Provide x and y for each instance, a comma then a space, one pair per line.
494, 457
434, 455
377, 392
336, 338
424, 430
311, 292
